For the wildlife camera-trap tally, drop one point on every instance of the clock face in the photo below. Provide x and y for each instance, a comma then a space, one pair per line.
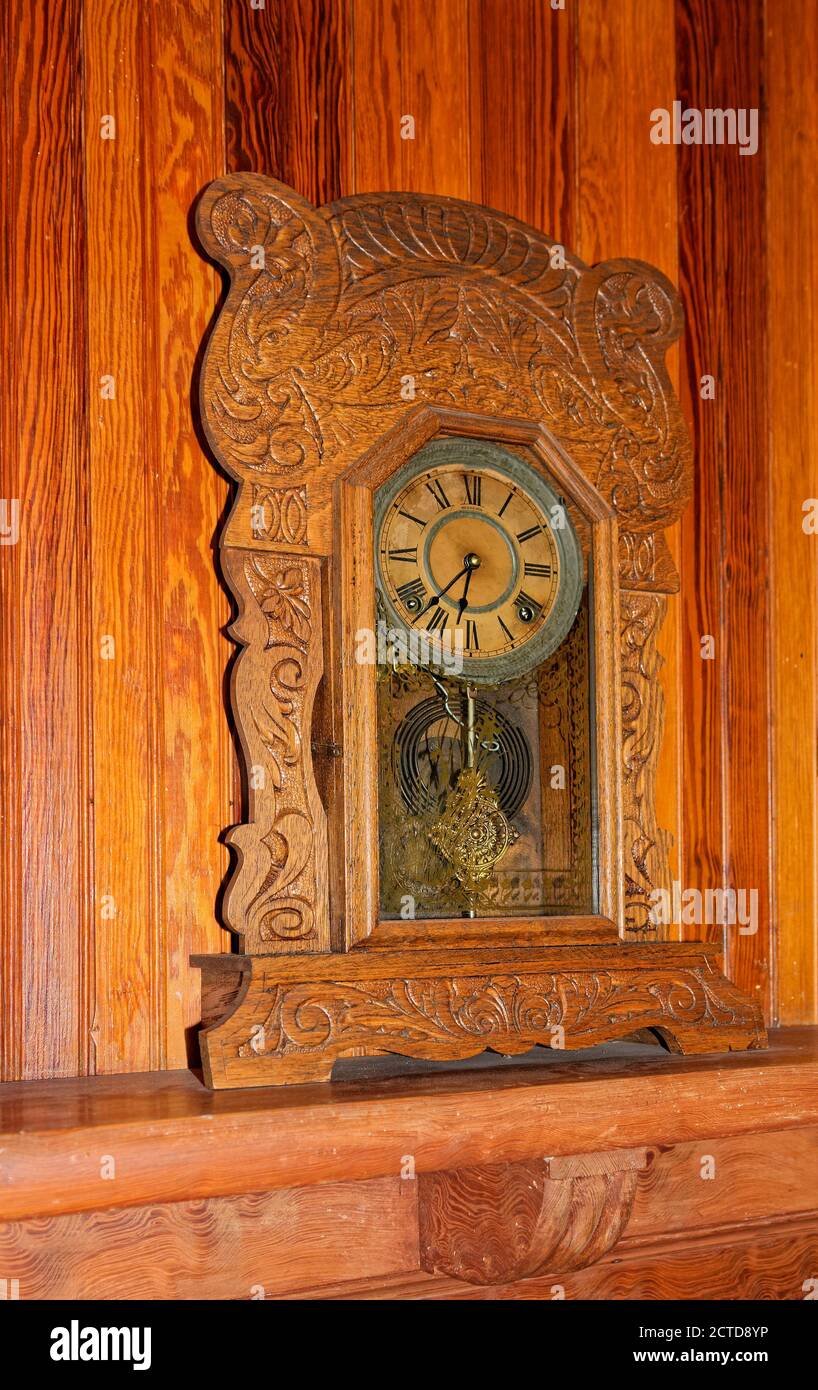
475, 550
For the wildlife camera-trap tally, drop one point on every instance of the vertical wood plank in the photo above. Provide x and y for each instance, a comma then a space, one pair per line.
523, 131
792, 352
627, 197
286, 93
376, 96
129, 1030
627, 207
44, 739
184, 151
435, 91
720, 63
411, 60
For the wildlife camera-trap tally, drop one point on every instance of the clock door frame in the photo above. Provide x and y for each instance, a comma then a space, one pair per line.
354, 809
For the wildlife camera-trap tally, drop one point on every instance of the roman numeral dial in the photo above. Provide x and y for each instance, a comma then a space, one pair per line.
467, 556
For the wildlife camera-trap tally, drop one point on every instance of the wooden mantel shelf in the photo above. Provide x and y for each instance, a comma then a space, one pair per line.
173, 1140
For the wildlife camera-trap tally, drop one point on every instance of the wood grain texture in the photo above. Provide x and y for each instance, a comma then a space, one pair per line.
696, 1207
792, 350
194, 767
469, 298
254, 1246
719, 1181
360, 1240
494, 1224
738, 1208
128, 1022
722, 208
44, 752
278, 898
295, 1017
176, 1141
104, 752
314, 92
627, 206
301, 392
411, 60
771, 1261
522, 122
287, 91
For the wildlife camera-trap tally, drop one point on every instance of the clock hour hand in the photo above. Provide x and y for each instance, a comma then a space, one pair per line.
464, 600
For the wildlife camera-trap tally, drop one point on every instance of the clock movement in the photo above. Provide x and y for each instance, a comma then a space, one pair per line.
455, 456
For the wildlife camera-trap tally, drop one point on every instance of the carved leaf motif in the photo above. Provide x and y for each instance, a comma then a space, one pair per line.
646, 844
467, 302
277, 893
507, 1013
281, 595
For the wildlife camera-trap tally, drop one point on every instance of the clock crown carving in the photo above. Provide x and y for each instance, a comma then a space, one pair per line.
442, 425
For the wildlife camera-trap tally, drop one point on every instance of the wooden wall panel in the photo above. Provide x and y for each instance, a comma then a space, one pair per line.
185, 150
44, 832
792, 354
118, 775
522, 122
287, 92
726, 534
703, 735
411, 60
159, 738
627, 207
127, 1027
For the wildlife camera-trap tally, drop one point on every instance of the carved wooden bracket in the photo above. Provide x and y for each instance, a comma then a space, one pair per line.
495, 1223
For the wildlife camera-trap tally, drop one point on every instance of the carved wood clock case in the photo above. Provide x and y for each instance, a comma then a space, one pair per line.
456, 448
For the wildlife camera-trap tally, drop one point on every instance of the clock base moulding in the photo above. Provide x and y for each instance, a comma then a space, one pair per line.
273, 1020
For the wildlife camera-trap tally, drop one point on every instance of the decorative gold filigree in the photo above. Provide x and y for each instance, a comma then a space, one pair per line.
472, 834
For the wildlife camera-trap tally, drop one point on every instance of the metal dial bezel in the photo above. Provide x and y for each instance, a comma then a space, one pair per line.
474, 455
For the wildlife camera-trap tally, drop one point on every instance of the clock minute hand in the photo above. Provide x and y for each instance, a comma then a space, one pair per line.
437, 597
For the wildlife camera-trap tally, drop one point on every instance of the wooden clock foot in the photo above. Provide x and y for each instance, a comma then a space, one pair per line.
273, 1020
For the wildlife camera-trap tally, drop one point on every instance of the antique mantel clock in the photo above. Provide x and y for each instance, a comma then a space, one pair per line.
456, 452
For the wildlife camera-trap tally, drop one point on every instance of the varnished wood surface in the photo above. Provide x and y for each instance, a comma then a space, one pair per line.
627, 46
289, 1018
792, 343
722, 1217
46, 920
287, 85
176, 1141
720, 63
316, 98
770, 1262
473, 302
253, 1246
